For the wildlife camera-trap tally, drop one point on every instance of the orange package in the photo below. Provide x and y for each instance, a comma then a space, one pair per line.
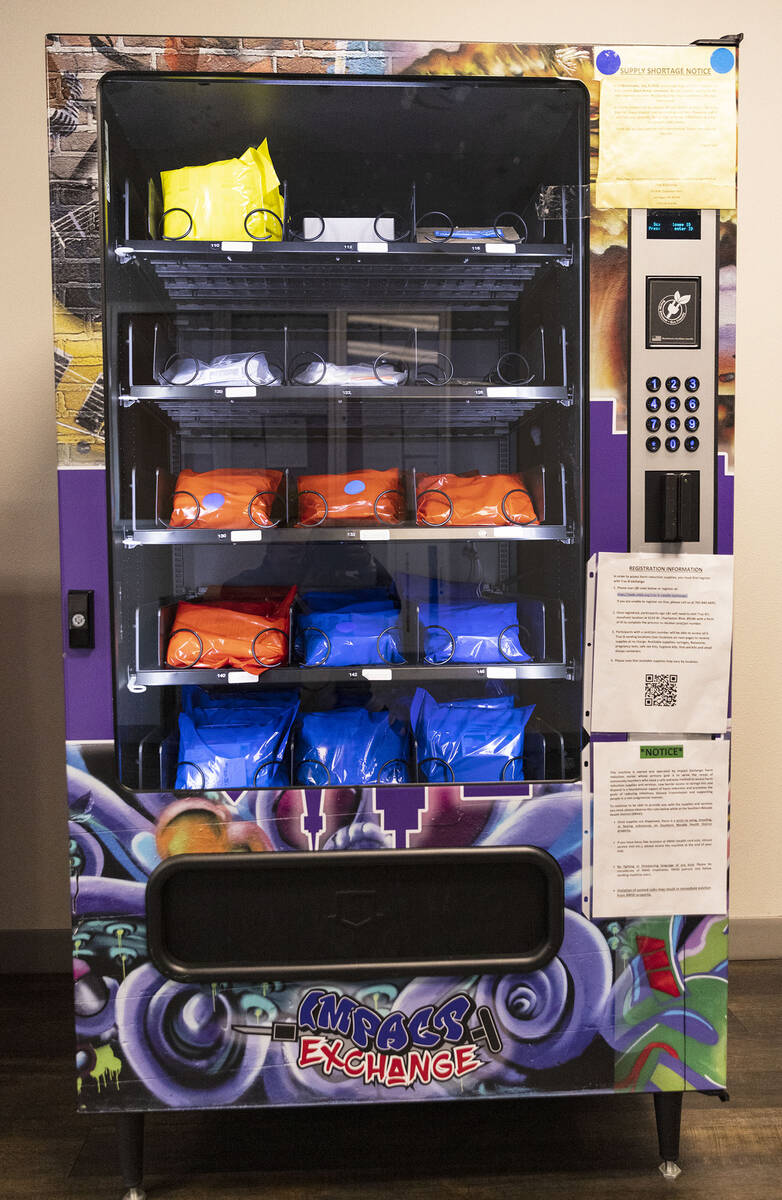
360, 496
248, 635
228, 498
473, 499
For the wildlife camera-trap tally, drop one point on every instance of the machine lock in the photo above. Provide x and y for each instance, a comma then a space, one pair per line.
672, 512
81, 620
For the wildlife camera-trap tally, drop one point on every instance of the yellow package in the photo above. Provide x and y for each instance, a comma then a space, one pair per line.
220, 201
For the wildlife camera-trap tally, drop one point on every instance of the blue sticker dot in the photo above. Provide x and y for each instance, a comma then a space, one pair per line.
354, 487
213, 500
608, 62
722, 60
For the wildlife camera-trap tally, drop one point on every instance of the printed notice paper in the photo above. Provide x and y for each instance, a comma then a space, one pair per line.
662, 642
660, 828
667, 126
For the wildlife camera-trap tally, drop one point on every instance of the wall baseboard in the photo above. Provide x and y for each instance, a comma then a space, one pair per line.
48, 951
756, 937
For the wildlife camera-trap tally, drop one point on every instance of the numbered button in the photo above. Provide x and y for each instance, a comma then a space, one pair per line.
653, 444
691, 443
653, 384
691, 424
673, 403
692, 383
653, 424
672, 443
672, 383
692, 404
653, 403
672, 424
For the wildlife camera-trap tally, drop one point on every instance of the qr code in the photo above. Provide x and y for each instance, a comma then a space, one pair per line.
660, 690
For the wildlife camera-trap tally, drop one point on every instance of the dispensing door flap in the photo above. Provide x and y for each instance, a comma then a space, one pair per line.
354, 913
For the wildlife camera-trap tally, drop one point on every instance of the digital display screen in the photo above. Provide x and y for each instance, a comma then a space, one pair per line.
673, 223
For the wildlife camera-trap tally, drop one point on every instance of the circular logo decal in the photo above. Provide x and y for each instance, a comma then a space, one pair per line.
354, 486
213, 500
672, 309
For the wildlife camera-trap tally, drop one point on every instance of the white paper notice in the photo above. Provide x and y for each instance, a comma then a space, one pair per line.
660, 828
662, 643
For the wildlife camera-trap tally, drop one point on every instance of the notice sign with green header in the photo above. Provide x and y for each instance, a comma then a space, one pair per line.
659, 827
662, 751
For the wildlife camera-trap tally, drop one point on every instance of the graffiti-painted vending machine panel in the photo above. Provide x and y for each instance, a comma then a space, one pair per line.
344, 404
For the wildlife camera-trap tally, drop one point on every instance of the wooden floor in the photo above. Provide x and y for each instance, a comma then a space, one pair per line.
602, 1147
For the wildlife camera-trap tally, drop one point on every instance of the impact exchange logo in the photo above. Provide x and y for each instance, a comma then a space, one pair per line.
436, 1043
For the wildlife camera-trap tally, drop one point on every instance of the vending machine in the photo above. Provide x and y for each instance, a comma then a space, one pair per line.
358, 374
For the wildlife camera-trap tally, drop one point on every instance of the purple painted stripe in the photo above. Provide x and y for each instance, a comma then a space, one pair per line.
724, 507
607, 480
84, 565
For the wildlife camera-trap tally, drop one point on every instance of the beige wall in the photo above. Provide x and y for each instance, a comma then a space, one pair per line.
33, 892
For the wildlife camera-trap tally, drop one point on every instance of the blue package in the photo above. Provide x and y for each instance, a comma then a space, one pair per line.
235, 745
481, 632
348, 637
234, 708
469, 741
350, 746
430, 589
366, 599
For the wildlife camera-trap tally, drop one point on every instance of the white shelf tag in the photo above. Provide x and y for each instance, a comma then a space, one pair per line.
508, 393
232, 392
246, 535
377, 672
241, 677
372, 247
503, 532
500, 248
243, 247
374, 535
500, 672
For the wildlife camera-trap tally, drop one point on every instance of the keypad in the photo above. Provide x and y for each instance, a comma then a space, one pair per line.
674, 426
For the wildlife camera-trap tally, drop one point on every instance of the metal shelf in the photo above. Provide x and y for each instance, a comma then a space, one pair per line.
148, 534
315, 676
461, 393
238, 274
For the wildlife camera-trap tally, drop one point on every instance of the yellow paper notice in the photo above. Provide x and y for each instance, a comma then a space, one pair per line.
667, 126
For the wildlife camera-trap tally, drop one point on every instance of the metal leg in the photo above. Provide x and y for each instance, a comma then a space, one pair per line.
668, 1114
130, 1136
